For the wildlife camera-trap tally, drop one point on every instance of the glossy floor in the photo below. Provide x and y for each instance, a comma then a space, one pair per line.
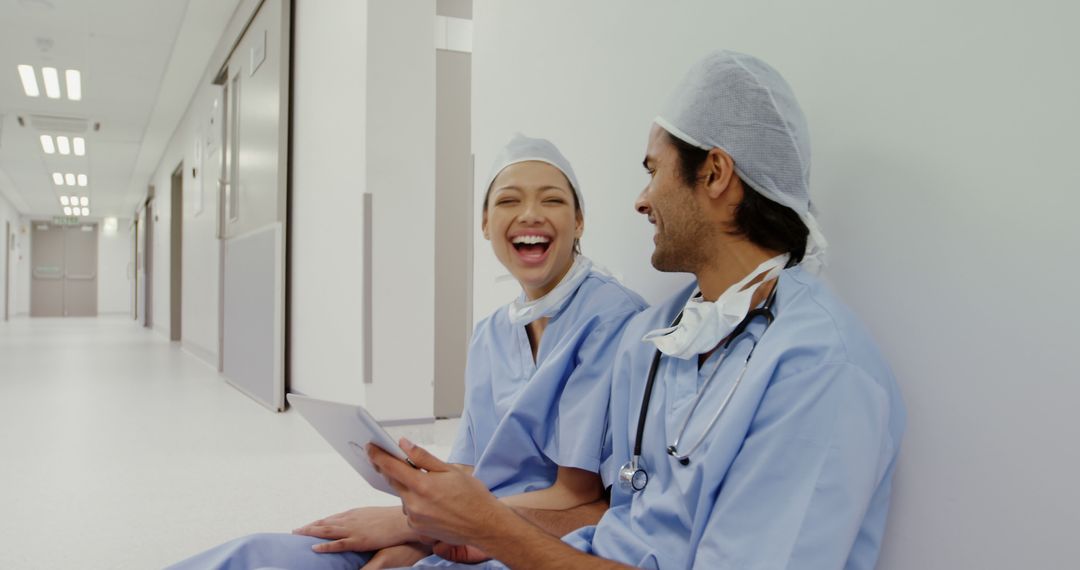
120, 450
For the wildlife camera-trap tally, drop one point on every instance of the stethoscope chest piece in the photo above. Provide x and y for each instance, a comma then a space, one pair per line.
633, 478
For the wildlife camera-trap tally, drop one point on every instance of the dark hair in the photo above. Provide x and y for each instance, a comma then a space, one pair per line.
577, 206
766, 223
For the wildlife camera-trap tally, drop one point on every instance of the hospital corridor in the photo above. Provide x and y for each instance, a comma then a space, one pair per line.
314, 284
114, 435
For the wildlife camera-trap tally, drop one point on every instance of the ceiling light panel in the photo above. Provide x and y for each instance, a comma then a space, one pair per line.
63, 145
51, 80
86, 211
79, 146
47, 144
67, 211
82, 180
58, 178
69, 179
64, 201
29, 80
84, 201
74, 84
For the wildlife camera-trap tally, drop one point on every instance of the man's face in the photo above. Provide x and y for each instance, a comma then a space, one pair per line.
671, 204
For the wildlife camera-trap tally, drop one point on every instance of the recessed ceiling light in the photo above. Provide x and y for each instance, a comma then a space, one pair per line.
64, 201
79, 146
84, 201
69, 178
86, 211
52, 82
47, 144
74, 84
29, 80
67, 211
74, 200
82, 180
63, 146
58, 178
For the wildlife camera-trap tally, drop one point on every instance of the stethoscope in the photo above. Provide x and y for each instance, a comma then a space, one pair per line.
632, 475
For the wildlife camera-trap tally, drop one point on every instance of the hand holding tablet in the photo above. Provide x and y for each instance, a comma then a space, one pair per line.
348, 429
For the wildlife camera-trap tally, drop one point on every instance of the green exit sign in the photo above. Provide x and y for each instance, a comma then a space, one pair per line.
66, 220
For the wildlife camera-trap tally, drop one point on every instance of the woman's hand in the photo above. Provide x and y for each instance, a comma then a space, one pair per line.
398, 556
360, 530
463, 554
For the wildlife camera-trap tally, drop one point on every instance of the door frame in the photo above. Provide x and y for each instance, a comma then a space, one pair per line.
8, 246
176, 252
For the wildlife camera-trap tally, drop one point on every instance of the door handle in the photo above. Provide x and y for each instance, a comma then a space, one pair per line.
50, 273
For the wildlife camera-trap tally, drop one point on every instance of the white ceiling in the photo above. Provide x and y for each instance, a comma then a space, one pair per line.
141, 61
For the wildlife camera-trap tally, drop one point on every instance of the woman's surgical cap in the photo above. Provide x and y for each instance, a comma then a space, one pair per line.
521, 148
738, 103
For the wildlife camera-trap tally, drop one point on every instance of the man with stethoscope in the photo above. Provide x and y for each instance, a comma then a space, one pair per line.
753, 422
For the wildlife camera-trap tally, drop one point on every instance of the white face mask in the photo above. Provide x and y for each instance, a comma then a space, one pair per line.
523, 312
704, 324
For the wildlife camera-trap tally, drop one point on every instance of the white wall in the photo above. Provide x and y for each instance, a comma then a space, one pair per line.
328, 167
401, 178
942, 138
364, 121
8, 214
114, 259
20, 272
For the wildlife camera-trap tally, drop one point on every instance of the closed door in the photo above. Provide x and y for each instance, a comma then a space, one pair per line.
64, 277
80, 271
47, 278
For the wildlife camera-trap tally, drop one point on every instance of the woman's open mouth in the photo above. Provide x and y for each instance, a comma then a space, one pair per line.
531, 249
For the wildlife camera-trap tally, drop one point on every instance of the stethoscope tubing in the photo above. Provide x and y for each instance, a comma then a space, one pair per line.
767, 314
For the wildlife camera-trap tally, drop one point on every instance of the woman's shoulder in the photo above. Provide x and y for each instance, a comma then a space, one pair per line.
604, 294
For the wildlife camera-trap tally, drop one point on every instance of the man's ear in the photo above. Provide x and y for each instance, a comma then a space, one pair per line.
718, 172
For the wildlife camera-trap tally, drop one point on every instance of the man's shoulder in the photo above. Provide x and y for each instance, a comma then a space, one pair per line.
819, 319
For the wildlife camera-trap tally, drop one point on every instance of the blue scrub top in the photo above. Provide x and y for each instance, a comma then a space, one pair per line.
796, 473
525, 419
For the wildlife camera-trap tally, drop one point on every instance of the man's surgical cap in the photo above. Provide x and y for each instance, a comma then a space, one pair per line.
738, 103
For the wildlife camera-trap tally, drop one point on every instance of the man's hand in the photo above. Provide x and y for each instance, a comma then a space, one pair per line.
398, 556
441, 502
360, 530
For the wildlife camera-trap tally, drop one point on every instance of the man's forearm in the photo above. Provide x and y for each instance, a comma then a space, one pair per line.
561, 522
521, 545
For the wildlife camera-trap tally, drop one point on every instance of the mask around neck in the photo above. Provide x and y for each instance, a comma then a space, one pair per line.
523, 311
705, 324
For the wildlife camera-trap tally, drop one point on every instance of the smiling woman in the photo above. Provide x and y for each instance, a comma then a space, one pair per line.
533, 220
537, 381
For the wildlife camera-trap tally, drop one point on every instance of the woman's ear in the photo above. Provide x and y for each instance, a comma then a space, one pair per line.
579, 228
484, 225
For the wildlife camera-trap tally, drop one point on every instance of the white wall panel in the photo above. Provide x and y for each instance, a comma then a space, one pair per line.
328, 180
943, 135
114, 258
401, 178
8, 215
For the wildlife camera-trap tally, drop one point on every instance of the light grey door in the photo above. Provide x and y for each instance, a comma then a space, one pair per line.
80, 270
47, 275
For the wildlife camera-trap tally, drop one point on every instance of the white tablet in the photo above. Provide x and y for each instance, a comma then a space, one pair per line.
348, 429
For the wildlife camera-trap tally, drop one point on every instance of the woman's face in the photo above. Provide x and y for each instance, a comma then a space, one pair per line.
532, 223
